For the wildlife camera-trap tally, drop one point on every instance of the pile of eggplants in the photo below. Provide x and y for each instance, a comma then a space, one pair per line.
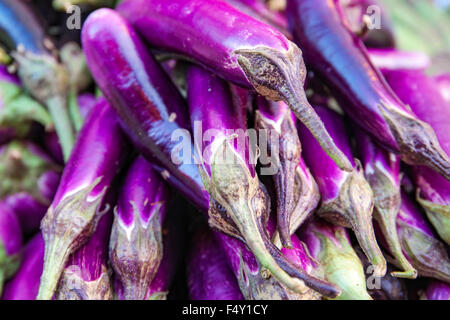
220, 150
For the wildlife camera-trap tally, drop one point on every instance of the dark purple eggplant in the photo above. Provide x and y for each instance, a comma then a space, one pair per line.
340, 59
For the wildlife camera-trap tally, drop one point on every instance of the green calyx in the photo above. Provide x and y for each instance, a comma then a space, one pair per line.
9, 264
343, 267
20, 170
162, 295
65, 229
136, 252
64, 5
439, 216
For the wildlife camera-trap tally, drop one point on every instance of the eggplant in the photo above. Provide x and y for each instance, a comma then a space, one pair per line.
10, 243
86, 275
346, 197
427, 254
25, 283
433, 191
136, 247
40, 71
436, 290
330, 245
229, 174
235, 46
275, 118
208, 275
340, 59
382, 171
98, 154
150, 109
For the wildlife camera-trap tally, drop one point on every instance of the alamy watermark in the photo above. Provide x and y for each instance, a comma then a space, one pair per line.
73, 22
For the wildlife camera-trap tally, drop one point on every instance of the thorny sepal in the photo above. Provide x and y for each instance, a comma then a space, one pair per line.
427, 254
352, 208
72, 286
343, 267
439, 216
416, 140
286, 158
65, 229
280, 76
136, 252
48, 81
387, 204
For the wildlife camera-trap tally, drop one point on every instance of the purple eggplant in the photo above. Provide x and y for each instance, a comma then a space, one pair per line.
340, 59
443, 83
346, 197
25, 283
29, 179
41, 73
427, 254
10, 243
382, 171
433, 191
276, 119
437, 290
229, 173
86, 275
136, 247
331, 247
150, 108
99, 152
395, 59
208, 274
235, 46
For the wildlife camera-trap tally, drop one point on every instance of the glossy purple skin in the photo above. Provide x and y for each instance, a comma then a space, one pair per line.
209, 275
324, 170
25, 283
53, 147
10, 232
437, 290
260, 11
99, 152
298, 254
211, 104
395, 59
5, 76
207, 31
86, 102
144, 188
272, 110
92, 258
341, 60
443, 82
28, 210
149, 106
410, 215
421, 93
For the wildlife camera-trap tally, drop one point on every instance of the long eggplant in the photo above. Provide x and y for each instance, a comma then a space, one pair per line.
98, 154
382, 171
346, 197
235, 46
342, 62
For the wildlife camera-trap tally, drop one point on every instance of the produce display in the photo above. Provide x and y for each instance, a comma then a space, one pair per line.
224, 150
